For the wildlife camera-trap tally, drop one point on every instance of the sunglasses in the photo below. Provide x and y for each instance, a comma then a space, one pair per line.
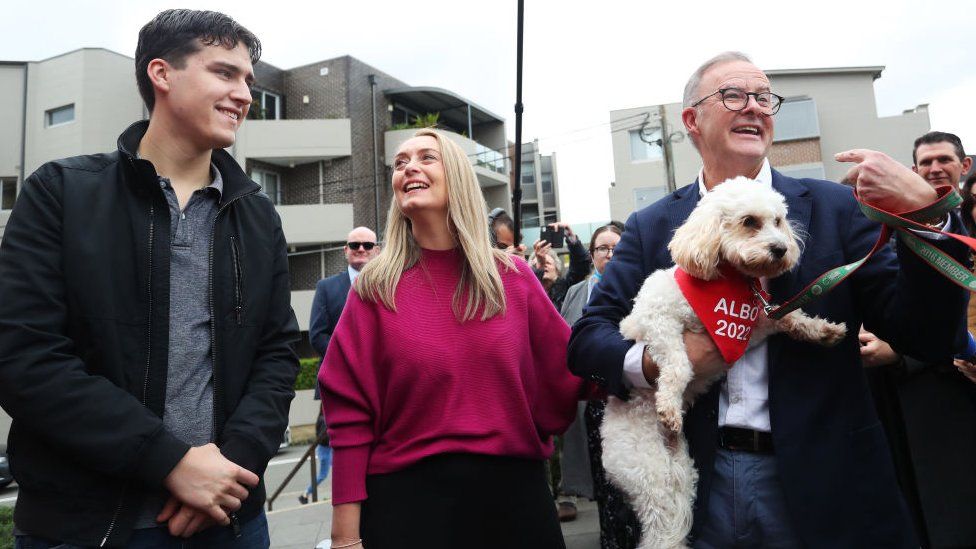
365, 245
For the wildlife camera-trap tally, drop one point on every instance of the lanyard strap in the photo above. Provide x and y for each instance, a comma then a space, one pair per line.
902, 223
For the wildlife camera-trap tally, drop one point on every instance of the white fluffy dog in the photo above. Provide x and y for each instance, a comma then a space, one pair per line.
740, 224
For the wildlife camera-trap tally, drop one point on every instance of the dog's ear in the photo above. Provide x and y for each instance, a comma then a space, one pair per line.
696, 246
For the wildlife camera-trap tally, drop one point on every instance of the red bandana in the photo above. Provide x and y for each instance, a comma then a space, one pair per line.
726, 306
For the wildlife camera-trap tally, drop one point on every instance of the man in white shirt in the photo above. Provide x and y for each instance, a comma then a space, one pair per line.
788, 447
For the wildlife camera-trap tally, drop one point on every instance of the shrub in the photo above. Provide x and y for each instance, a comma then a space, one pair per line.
308, 374
6, 527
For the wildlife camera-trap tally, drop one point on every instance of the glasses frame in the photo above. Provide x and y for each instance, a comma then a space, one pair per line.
609, 250
368, 246
755, 97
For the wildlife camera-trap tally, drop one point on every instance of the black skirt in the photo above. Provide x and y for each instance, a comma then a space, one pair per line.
461, 501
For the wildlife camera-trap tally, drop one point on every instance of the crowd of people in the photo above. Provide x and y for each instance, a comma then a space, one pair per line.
147, 344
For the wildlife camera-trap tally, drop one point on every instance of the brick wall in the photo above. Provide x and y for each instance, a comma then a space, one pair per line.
305, 269
802, 151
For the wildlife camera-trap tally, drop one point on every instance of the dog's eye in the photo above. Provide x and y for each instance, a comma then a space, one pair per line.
750, 222
779, 221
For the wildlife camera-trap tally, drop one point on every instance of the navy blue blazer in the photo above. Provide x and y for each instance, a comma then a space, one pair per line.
330, 298
831, 450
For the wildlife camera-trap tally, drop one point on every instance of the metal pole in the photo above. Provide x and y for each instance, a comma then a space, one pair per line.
312, 467
470, 128
376, 175
517, 162
666, 149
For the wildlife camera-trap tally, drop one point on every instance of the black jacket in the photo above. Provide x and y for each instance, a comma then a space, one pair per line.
84, 324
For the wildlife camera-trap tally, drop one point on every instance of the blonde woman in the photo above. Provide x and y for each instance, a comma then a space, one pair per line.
446, 376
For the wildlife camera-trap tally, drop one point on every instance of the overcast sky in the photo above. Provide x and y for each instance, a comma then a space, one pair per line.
582, 59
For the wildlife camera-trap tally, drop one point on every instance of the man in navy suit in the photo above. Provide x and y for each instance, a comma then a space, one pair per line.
788, 446
330, 298
330, 293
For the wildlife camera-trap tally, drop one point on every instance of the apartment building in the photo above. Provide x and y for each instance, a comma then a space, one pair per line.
826, 111
319, 139
540, 187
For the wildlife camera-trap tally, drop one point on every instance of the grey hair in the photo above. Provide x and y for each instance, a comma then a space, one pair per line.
691, 88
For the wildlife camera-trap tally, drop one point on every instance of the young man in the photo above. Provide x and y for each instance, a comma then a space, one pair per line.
145, 328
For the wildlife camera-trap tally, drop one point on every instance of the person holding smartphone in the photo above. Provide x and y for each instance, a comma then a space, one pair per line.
547, 265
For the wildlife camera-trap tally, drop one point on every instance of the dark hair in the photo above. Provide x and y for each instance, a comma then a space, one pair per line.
613, 226
173, 35
939, 137
966, 209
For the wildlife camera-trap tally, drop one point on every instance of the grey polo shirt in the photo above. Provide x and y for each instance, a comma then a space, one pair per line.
189, 403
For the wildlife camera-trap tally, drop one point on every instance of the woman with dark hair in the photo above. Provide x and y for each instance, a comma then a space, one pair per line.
582, 446
447, 371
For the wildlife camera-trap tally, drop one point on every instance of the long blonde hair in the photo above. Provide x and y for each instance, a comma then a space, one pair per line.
480, 285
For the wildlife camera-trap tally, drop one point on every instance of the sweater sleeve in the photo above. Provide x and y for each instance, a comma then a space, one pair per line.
558, 389
347, 382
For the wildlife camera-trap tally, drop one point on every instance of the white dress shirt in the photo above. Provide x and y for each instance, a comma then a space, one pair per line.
353, 273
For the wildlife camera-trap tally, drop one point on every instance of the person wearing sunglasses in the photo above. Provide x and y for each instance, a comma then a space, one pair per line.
445, 377
330, 299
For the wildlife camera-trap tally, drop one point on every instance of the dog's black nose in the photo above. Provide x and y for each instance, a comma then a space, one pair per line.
777, 250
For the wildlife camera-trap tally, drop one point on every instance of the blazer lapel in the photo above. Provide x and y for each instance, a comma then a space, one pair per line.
344, 285
682, 202
799, 204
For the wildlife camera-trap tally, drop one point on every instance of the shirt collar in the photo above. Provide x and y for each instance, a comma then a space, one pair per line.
216, 180
765, 176
353, 273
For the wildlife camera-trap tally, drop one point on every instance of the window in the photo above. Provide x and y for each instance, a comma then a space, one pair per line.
270, 182
640, 150
59, 116
8, 192
530, 215
797, 119
266, 105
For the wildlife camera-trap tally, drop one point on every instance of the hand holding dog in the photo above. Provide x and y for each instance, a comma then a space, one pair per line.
706, 360
884, 182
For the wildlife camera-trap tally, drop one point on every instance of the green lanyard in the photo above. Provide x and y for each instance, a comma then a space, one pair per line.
902, 223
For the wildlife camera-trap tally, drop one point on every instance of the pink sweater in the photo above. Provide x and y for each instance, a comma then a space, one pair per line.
400, 386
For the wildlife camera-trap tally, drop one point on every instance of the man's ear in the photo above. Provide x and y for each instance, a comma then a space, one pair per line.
966, 164
689, 116
160, 73
915, 168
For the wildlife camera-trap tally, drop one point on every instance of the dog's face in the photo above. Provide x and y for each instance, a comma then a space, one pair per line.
740, 222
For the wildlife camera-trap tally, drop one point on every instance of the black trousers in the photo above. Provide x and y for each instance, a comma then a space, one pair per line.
461, 501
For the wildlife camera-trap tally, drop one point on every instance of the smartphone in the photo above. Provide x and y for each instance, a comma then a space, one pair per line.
555, 238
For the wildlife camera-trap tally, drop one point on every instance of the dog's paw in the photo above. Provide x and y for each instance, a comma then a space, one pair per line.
670, 420
832, 333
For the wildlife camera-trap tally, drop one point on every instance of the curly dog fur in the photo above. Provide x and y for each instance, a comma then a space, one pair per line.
740, 223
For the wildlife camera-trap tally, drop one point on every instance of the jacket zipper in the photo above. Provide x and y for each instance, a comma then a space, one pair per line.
235, 526
145, 383
238, 281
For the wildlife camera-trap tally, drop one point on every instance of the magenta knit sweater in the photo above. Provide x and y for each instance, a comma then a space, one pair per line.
400, 386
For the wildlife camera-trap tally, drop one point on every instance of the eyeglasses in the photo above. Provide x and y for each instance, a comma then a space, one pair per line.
365, 245
603, 250
735, 100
